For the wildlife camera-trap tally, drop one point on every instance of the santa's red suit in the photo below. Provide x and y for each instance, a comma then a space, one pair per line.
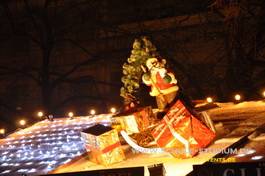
163, 82
158, 86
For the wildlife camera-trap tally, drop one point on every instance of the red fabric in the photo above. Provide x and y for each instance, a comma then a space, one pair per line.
187, 126
160, 84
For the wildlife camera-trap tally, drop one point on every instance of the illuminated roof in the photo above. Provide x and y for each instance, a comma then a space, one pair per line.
44, 146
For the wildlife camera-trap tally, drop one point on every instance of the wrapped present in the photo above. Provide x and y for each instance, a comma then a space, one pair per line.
103, 145
180, 133
137, 120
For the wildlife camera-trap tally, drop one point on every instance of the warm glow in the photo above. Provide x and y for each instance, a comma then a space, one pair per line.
40, 114
237, 97
2, 131
92, 112
256, 157
113, 110
264, 94
22, 122
209, 100
70, 114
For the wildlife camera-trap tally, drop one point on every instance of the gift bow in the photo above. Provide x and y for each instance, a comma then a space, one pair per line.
175, 114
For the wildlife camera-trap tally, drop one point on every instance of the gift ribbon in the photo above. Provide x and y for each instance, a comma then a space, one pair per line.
94, 143
145, 118
171, 120
111, 147
105, 150
176, 135
172, 130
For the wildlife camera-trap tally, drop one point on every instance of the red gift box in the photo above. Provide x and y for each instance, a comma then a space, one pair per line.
180, 133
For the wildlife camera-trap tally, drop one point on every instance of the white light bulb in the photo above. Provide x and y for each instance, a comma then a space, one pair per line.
113, 110
237, 97
256, 157
40, 114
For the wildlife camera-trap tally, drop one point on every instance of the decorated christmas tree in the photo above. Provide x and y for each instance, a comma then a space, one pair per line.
142, 50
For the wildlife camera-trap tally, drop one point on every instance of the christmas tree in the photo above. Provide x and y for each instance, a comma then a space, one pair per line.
142, 50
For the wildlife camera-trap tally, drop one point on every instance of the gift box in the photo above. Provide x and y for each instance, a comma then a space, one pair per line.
180, 133
135, 121
103, 145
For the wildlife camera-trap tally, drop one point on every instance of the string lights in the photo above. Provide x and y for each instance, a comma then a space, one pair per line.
40, 114
113, 110
92, 112
71, 115
50, 143
237, 98
45, 145
209, 100
2, 131
22, 123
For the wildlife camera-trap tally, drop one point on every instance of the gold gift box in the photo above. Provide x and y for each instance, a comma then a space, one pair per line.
103, 145
137, 120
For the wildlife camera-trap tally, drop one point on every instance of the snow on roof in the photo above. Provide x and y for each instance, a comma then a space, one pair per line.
45, 146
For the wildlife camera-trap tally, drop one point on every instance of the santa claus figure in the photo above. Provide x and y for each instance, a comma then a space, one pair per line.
163, 82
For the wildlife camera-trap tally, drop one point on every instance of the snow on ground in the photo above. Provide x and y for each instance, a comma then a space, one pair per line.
247, 114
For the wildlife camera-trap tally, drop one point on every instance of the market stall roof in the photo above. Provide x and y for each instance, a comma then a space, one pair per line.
56, 146
44, 146
233, 121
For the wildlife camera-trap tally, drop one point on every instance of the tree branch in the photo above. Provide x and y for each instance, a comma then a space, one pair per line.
248, 56
77, 66
75, 98
22, 72
13, 24
31, 16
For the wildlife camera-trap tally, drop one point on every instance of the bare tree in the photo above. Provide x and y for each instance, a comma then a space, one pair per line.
246, 41
50, 26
